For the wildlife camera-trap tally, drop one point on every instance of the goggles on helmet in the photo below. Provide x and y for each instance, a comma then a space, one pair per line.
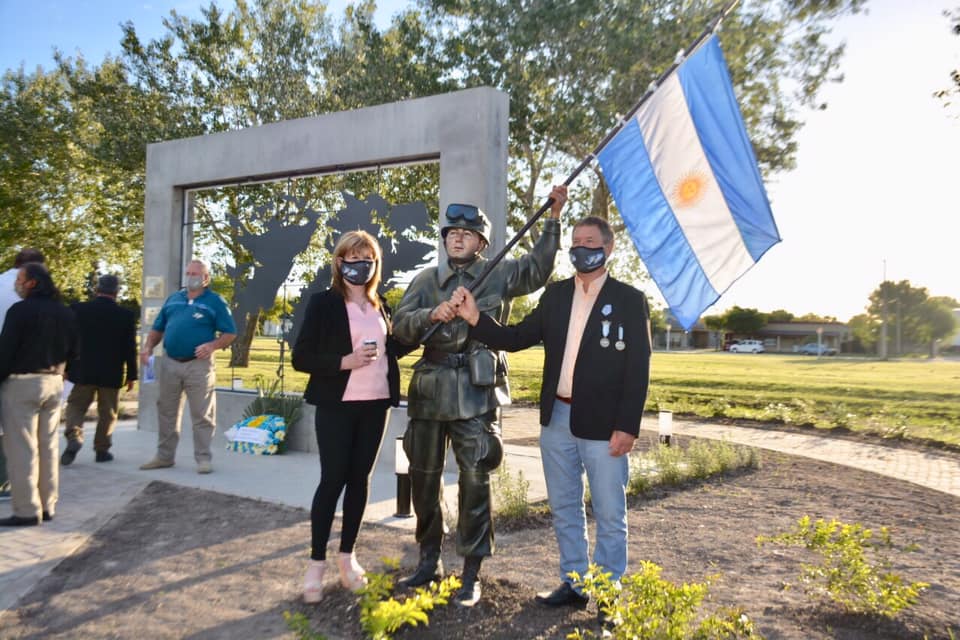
466, 212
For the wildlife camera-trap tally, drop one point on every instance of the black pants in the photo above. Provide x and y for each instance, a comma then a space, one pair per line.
478, 449
349, 438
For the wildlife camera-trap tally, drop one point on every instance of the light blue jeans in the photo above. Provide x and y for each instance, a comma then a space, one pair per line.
565, 458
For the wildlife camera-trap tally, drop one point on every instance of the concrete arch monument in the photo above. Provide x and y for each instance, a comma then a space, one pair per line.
466, 132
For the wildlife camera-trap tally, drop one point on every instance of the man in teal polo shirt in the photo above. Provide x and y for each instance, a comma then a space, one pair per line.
188, 324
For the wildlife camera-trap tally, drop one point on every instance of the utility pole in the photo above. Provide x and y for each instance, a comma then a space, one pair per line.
899, 351
882, 349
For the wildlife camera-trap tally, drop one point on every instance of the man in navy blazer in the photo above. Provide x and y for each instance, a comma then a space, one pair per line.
596, 336
107, 361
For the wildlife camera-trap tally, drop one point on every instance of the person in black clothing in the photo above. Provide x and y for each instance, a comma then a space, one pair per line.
108, 344
347, 347
39, 336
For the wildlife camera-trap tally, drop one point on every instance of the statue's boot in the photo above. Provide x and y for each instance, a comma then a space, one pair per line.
428, 570
469, 593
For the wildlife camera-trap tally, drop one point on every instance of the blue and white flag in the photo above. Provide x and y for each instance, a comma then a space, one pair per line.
686, 182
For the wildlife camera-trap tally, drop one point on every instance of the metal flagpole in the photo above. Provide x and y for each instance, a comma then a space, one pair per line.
494, 261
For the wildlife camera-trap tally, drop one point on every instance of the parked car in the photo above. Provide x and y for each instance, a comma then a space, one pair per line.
813, 349
747, 346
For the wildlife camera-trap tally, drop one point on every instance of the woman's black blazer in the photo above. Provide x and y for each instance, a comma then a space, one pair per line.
323, 341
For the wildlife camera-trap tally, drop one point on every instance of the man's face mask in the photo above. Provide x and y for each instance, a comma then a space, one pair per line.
194, 283
358, 272
585, 259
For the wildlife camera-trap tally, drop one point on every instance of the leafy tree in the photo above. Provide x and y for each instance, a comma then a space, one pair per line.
815, 317
936, 321
715, 324
55, 194
780, 315
571, 69
949, 95
744, 322
919, 319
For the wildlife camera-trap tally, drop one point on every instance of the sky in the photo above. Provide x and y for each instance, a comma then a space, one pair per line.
874, 194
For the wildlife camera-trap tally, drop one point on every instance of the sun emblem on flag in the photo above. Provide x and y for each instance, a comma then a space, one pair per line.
689, 189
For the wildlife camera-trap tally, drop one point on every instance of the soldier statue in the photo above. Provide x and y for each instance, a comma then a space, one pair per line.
459, 384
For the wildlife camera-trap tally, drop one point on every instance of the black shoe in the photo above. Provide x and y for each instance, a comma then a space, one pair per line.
563, 596
605, 622
469, 593
47, 517
17, 521
430, 569
104, 456
70, 452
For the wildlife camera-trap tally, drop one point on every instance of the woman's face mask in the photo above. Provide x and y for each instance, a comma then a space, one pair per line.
358, 272
586, 259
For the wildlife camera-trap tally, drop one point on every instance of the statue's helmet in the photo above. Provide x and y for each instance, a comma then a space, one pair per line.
466, 216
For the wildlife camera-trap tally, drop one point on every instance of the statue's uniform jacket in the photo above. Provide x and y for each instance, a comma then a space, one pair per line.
443, 401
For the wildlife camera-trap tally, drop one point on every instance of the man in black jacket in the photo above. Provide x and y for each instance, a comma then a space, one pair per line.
596, 336
108, 345
39, 337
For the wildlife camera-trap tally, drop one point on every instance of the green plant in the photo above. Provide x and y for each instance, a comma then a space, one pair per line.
381, 615
510, 493
671, 466
644, 606
270, 401
300, 625
846, 574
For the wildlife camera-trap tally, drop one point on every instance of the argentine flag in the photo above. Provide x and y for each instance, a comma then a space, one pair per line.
686, 182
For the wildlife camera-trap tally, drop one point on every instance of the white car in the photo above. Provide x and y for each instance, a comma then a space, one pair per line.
747, 346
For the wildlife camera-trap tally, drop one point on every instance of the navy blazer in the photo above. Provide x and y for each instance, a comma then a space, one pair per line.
108, 344
323, 341
609, 385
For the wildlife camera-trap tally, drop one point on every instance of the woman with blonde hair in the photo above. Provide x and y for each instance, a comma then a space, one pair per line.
346, 346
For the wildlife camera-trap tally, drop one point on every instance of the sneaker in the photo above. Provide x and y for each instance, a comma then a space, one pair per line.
104, 456
70, 453
156, 463
204, 467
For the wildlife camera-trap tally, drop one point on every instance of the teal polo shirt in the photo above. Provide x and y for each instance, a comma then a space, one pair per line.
186, 324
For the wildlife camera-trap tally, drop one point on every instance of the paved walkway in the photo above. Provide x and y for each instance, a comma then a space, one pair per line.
90, 494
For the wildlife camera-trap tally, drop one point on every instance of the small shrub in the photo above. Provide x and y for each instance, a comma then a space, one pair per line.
510, 493
644, 606
671, 466
300, 625
381, 615
846, 575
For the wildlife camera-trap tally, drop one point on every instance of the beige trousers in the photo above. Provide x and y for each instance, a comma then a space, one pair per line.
196, 379
79, 400
30, 406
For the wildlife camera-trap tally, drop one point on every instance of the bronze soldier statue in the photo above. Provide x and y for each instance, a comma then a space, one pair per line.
459, 384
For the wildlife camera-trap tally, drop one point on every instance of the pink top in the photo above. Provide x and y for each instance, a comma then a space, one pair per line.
369, 382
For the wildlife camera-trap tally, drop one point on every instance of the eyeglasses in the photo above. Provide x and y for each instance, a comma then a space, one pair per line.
466, 212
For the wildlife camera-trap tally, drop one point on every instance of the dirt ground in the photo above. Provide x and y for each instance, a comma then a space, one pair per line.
186, 563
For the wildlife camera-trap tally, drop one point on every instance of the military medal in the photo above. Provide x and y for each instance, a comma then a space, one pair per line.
605, 328
606, 310
620, 344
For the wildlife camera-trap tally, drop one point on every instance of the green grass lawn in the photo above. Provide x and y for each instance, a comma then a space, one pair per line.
912, 398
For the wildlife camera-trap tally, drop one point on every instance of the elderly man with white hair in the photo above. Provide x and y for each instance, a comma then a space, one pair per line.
193, 323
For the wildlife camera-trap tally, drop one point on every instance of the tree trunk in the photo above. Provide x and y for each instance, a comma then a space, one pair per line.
240, 349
